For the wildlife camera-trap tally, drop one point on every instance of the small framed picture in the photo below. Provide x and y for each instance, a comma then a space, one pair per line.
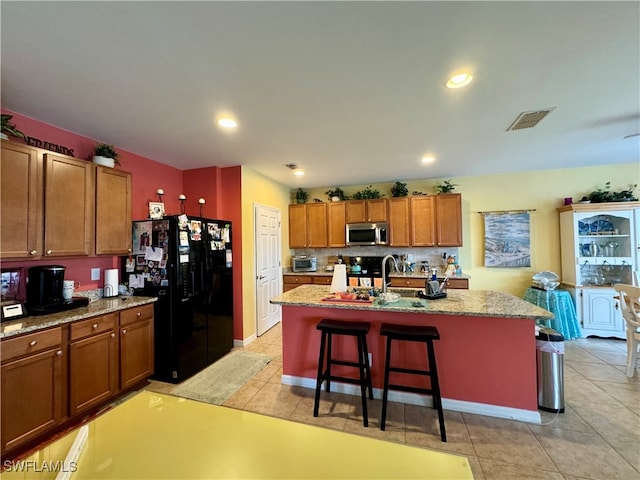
156, 210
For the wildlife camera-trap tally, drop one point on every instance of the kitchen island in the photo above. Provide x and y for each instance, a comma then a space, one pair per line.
486, 353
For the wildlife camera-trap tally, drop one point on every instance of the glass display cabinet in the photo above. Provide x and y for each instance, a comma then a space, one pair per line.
599, 248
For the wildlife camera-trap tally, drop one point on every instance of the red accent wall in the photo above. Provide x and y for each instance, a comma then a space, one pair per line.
221, 187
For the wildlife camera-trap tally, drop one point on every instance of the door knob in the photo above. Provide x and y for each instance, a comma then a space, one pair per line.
260, 277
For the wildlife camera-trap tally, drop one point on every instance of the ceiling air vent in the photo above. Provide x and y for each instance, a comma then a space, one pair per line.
529, 119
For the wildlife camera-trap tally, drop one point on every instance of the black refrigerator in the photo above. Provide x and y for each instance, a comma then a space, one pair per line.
187, 263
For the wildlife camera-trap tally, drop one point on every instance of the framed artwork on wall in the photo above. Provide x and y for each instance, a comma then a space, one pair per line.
156, 210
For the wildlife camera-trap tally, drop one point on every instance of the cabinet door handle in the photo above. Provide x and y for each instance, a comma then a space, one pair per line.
95, 325
113, 335
33, 252
616, 307
124, 332
32, 343
139, 313
59, 352
49, 252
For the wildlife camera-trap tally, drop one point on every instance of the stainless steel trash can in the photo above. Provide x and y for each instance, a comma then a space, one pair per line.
550, 367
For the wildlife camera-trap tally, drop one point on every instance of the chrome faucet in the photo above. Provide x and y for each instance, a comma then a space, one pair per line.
384, 270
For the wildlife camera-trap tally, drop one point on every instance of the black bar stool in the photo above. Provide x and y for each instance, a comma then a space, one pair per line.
356, 329
413, 333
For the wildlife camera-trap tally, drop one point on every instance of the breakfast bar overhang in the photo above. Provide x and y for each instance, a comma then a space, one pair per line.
486, 354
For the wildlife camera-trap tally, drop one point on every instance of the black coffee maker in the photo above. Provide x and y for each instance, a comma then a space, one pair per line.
44, 286
44, 291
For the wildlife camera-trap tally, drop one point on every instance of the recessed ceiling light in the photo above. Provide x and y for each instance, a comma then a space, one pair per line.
227, 123
428, 159
298, 173
459, 80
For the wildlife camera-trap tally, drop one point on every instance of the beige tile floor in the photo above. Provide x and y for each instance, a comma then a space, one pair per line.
598, 436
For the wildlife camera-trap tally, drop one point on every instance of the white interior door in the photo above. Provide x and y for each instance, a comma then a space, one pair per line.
268, 266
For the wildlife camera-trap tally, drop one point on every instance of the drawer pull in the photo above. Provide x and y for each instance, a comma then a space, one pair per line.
32, 343
33, 252
139, 313
49, 252
95, 325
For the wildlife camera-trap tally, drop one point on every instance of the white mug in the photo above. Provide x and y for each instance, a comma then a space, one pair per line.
68, 287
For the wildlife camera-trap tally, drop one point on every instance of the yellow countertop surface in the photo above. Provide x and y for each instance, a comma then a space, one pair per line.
99, 307
482, 303
155, 436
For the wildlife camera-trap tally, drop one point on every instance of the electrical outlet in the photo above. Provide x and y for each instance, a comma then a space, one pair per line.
95, 274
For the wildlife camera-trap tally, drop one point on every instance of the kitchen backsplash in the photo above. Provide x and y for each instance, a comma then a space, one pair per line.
436, 256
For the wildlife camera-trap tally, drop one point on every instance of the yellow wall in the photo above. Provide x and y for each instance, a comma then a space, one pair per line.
542, 190
257, 189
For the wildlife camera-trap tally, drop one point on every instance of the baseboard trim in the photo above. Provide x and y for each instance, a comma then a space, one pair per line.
528, 416
245, 342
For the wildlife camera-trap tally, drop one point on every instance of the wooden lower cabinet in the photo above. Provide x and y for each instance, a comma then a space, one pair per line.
289, 282
32, 385
292, 281
93, 362
459, 283
455, 283
323, 279
136, 345
52, 377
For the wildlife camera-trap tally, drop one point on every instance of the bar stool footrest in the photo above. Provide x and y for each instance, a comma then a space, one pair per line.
413, 371
404, 388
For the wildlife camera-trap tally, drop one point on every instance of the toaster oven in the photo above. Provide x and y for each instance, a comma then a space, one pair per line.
303, 263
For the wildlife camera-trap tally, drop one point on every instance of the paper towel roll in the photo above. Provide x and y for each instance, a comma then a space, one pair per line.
111, 282
339, 280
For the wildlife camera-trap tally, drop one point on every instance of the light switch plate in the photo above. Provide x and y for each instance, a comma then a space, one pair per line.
95, 274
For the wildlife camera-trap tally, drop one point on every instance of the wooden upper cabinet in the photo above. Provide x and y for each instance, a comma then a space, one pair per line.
69, 206
298, 226
317, 225
423, 221
337, 223
113, 212
449, 219
436, 220
399, 222
308, 225
21, 200
374, 210
54, 206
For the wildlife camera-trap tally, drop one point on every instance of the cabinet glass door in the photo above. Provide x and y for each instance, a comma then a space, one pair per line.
605, 248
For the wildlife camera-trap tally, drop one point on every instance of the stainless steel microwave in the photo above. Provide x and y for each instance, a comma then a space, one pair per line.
367, 234
303, 263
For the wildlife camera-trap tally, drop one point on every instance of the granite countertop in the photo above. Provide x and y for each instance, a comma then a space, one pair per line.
94, 309
477, 303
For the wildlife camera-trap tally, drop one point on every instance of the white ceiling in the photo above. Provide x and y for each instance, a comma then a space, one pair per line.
353, 92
